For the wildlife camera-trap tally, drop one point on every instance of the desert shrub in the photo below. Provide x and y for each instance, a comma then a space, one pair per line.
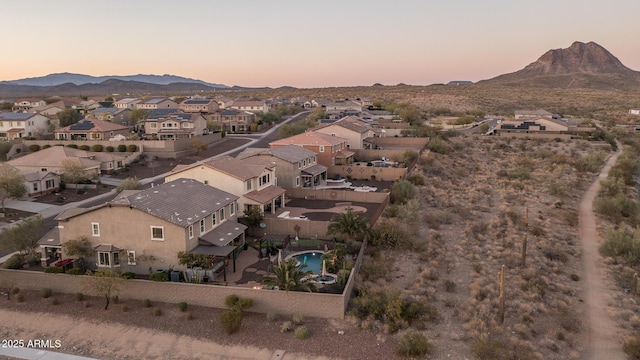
302, 332
46, 292
53, 270
128, 275
188, 316
416, 180
591, 162
520, 173
631, 347
402, 191
110, 148
449, 285
439, 145
231, 300
286, 327
46, 146
623, 244
231, 321
124, 308
73, 146
298, 319
555, 253
574, 277
569, 320
157, 311
122, 148
489, 350
34, 147
132, 148
159, 276
536, 230
438, 217
14, 262
271, 317
97, 148
618, 207
182, 306
571, 218
413, 344
79, 296
14, 290
146, 303
84, 147
75, 271
391, 235
19, 297
115, 299
536, 284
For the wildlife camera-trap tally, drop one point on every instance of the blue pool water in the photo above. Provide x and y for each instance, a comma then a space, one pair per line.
313, 261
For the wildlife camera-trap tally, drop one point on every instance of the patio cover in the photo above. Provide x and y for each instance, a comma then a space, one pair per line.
50, 239
212, 250
315, 170
223, 234
265, 195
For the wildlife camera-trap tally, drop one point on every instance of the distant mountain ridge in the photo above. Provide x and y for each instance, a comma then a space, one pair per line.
585, 65
81, 79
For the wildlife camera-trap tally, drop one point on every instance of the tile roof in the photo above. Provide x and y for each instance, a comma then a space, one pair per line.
182, 202
231, 166
16, 116
310, 138
290, 153
51, 238
197, 101
265, 195
223, 234
97, 126
55, 156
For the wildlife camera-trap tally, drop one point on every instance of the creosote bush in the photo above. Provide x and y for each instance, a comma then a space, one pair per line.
182, 306
79, 296
298, 319
19, 297
146, 303
46, 292
286, 326
188, 316
157, 311
413, 344
231, 321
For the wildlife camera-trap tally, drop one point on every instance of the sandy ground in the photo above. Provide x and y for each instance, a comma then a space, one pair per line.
604, 340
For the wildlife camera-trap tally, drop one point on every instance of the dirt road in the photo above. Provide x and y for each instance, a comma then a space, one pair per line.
604, 340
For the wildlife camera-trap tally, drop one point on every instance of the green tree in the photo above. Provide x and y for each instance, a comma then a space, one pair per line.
350, 224
109, 98
22, 236
138, 115
103, 283
72, 171
68, 117
484, 128
6, 106
289, 277
402, 191
253, 215
80, 248
11, 184
131, 183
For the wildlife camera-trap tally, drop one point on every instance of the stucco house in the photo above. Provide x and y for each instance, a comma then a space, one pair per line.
28, 103
114, 115
127, 103
157, 104
199, 105
18, 125
252, 180
52, 160
174, 125
158, 222
343, 107
296, 167
91, 129
331, 150
253, 106
232, 120
38, 182
545, 124
354, 130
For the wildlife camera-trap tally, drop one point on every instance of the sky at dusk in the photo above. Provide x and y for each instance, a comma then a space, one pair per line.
306, 44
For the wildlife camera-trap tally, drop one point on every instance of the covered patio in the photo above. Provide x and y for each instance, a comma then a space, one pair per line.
268, 199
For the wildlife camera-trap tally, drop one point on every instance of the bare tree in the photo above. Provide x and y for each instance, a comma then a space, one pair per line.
72, 171
103, 283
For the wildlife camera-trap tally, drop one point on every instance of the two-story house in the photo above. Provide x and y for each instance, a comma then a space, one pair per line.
127, 103
115, 115
91, 129
199, 105
253, 180
254, 106
233, 121
355, 131
175, 125
27, 103
331, 150
296, 166
157, 104
180, 215
17, 125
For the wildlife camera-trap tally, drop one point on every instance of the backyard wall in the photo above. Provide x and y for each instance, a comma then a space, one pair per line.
366, 172
264, 301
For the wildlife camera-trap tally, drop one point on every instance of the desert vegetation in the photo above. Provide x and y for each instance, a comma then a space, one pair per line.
484, 256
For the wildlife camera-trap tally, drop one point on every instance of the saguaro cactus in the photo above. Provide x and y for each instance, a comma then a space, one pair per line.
634, 284
501, 298
524, 251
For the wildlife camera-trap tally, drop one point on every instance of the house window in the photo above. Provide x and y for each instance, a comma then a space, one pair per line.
232, 209
297, 180
157, 233
249, 184
95, 229
35, 186
213, 219
131, 257
321, 148
222, 214
153, 125
190, 231
299, 164
104, 259
49, 184
116, 259
43, 169
201, 226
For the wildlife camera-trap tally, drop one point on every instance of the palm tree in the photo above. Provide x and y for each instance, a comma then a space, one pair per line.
289, 277
350, 224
